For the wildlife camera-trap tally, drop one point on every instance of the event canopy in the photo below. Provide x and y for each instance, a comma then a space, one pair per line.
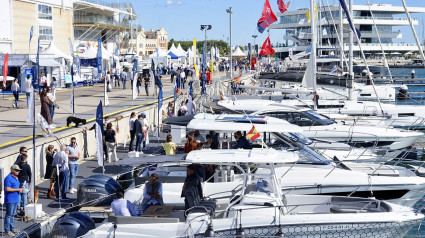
161, 53
173, 56
174, 50
238, 53
180, 51
52, 50
91, 53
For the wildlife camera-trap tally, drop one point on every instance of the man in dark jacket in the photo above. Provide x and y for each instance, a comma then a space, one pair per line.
24, 178
241, 141
192, 188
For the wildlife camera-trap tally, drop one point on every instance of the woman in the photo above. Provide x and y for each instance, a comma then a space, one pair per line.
169, 146
110, 139
139, 83
190, 144
15, 89
52, 102
49, 170
147, 83
45, 111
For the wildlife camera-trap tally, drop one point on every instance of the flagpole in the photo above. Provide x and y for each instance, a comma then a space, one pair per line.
36, 76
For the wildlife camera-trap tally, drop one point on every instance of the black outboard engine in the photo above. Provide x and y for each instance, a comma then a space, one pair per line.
403, 93
74, 224
97, 190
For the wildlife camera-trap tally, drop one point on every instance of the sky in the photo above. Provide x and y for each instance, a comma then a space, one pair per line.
182, 18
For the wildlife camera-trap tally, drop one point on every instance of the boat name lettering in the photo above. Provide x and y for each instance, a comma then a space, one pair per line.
336, 227
90, 190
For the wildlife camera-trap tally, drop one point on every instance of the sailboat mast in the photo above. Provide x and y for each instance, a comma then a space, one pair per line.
350, 57
313, 48
413, 30
341, 39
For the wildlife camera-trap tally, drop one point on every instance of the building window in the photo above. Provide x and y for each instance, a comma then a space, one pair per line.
45, 33
44, 12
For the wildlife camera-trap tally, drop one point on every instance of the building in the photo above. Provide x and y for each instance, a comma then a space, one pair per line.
148, 41
50, 19
297, 34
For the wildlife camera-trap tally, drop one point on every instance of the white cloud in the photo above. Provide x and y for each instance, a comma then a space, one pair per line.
179, 3
169, 2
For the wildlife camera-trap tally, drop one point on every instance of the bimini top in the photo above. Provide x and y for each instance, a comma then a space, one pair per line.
256, 155
238, 122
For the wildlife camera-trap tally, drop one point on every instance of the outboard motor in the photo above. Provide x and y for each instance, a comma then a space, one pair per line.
97, 190
403, 93
74, 224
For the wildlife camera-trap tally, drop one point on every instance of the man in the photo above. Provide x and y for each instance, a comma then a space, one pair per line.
22, 151
11, 200
152, 193
117, 77
138, 130
73, 153
192, 188
24, 178
147, 83
60, 161
198, 137
241, 141
43, 81
208, 144
15, 90
121, 206
132, 132
28, 89
124, 78
182, 78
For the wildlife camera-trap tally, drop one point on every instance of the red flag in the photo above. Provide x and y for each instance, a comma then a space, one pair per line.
178, 91
5, 67
267, 18
266, 49
281, 5
253, 133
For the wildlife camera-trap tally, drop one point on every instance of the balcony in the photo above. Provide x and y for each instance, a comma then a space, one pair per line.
101, 20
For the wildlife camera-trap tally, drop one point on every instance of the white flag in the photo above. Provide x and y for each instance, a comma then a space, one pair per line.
30, 116
301, 35
325, 32
301, 22
323, 21
99, 144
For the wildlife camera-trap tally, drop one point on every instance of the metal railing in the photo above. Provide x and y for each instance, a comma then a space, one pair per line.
99, 20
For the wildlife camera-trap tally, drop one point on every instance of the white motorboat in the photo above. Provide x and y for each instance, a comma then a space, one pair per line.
261, 209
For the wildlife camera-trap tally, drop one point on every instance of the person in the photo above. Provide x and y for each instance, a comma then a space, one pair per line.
139, 83
108, 81
147, 83
53, 86
192, 187
11, 199
117, 77
73, 160
52, 102
110, 139
121, 206
24, 178
45, 107
145, 131
43, 81
241, 141
15, 90
132, 131
413, 73
169, 146
152, 193
198, 137
22, 151
50, 152
28, 89
190, 144
208, 144
124, 78
182, 78
138, 130
60, 161
172, 73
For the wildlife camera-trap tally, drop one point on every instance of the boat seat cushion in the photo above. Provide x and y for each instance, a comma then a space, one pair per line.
140, 220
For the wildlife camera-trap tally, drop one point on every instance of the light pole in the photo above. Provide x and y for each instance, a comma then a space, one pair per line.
230, 42
254, 36
205, 28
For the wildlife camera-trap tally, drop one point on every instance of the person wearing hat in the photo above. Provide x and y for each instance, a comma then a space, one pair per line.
11, 199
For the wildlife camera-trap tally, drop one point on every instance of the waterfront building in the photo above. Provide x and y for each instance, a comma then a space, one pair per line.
297, 34
148, 41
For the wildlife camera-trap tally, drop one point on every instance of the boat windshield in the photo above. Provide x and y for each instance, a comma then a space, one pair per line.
263, 182
309, 156
320, 119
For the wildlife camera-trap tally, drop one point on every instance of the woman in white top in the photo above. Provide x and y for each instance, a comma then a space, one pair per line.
52, 102
15, 90
28, 89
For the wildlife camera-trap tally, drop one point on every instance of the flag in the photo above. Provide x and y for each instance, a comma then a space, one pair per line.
5, 68
347, 14
281, 6
266, 49
237, 79
215, 52
308, 14
249, 52
99, 134
204, 58
323, 21
267, 17
194, 58
253, 134
78, 65
334, 69
99, 57
30, 115
190, 105
301, 35
31, 33
325, 32
212, 67
287, 4
178, 91
301, 22
135, 69
71, 101
160, 100
308, 50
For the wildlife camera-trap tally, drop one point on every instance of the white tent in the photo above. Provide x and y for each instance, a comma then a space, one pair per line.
238, 53
52, 50
91, 53
164, 58
180, 51
174, 50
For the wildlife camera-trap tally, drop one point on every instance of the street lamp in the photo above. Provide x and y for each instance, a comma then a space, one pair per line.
230, 42
254, 36
205, 28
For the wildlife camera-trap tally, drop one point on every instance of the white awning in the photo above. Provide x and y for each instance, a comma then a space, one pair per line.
13, 62
47, 62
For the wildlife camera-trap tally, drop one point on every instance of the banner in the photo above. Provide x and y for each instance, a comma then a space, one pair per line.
31, 33
135, 69
99, 134
99, 57
249, 52
30, 115
190, 103
347, 14
204, 58
266, 49
194, 58
5, 68
71, 100
267, 17
215, 52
